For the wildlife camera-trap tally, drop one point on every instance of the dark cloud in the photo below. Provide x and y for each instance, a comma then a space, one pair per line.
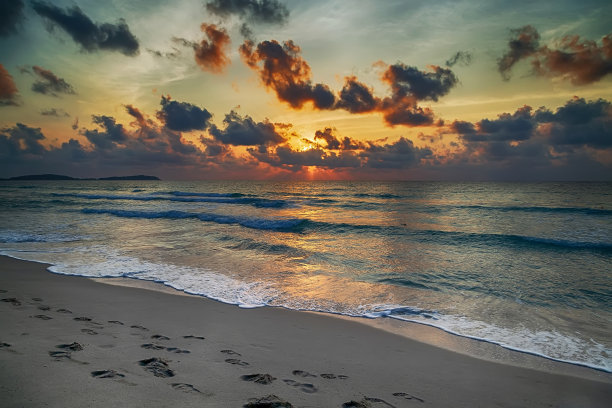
582, 62
579, 123
50, 84
523, 42
463, 58
356, 97
21, 139
210, 53
541, 138
257, 11
183, 116
57, 112
91, 36
401, 154
112, 135
285, 157
282, 69
398, 155
8, 89
11, 14
410, 81
245, 131
333, 143
409, 86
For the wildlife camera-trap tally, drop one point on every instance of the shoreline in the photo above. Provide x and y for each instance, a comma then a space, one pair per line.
429, 334
422, 332
316, 359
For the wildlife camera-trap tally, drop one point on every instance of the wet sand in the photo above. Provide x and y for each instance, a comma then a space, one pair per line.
73, 342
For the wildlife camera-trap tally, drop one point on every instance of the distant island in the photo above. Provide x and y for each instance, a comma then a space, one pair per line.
30, 177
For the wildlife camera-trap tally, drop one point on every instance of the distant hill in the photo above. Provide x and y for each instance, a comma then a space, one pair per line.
62, 177
43, 177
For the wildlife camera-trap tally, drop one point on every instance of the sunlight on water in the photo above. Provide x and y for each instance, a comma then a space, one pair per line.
522, 265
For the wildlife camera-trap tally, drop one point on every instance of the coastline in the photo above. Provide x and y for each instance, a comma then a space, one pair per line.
379, 364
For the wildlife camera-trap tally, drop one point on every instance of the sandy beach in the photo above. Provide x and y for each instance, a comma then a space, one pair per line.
73, 342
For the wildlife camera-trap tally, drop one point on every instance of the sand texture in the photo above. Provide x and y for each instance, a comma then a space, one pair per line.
72, 342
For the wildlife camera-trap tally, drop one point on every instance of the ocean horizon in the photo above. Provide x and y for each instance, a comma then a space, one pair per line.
522, 265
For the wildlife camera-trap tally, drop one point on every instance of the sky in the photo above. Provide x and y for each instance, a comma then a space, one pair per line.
307, 90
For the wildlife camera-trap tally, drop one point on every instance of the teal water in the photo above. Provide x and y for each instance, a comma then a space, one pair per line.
526, 266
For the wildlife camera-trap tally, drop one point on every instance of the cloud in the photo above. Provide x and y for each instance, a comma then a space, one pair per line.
523, 43
210, 53
49, 83
581, 62
398, 155
21, 139
91, 36
333, 143
409, 86
574, 133
463, 58
8, 89
282, 69
410, 81
245, 131
257, 11
356, 97
112, 135
57, 112
11, 14
183, 116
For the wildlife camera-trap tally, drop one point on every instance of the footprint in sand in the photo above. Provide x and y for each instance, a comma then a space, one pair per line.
267, 402
13, 301
235, 361
59, 355
185, 388
89, 331
160, 337
44, 307
157, 367
259, 378
37, 299
116, 322
82, 319
63, 311
42, 317
152, 346
106, 374
230, 352
304, 387
303, 374
194, 337
407, 396
177, 350
139, 327
334, 376
74, 346
4, 345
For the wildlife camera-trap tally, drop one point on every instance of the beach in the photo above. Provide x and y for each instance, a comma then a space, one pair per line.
73, 342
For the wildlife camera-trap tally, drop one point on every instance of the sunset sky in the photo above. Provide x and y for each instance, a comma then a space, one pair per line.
307, 90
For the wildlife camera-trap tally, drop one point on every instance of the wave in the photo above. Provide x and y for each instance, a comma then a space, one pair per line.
17, 237
253, 201
191, 194
582, 210
284, 224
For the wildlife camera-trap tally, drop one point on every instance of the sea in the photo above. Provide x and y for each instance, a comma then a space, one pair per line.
527, 266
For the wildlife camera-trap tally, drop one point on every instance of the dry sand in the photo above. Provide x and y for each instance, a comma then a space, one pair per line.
73, 342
